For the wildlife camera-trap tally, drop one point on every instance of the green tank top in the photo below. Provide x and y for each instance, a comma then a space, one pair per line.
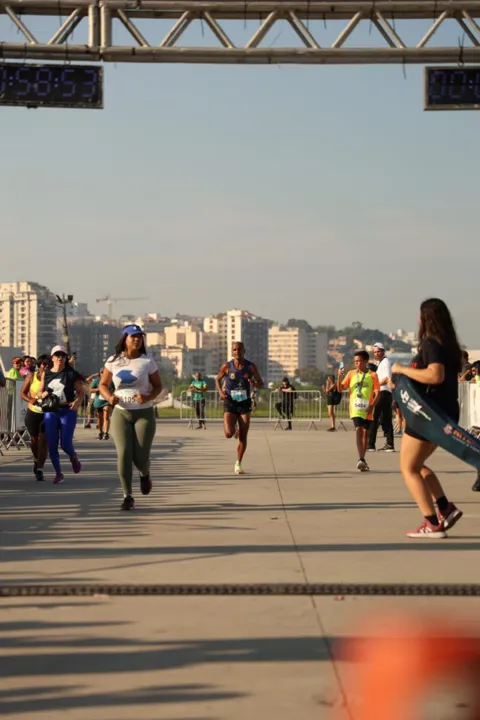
34, 389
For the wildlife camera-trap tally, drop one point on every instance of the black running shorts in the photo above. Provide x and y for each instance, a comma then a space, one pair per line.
34, 423
237, 408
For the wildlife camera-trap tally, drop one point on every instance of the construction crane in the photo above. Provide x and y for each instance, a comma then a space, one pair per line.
109, 300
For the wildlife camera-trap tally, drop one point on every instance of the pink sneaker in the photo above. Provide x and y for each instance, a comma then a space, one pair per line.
451, 516
427, 530
58, 479
76, 464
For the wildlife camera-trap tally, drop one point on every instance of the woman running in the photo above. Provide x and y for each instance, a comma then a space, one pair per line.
34, 416
435, 372
63, 387
137, 383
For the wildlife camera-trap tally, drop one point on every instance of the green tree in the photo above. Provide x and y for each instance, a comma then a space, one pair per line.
311, 375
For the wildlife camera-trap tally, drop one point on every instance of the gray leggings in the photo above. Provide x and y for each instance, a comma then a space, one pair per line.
133, 432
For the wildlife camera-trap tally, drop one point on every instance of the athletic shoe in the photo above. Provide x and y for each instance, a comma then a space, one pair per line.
388, 448
58, 480
128, 503
238, 469
88, 427
427, 530
450, 517
106, 436
76, 464
100, 435
145, 484
330, 429
362, 466
39, 475
371, 449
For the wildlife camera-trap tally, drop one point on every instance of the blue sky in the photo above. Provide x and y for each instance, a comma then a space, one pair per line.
318, 192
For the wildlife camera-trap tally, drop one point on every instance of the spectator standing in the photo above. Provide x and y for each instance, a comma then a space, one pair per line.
333, 399
286, 405
198, 388
383, 409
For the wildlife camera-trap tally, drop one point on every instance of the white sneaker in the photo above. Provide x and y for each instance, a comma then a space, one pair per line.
238, 469
362, 466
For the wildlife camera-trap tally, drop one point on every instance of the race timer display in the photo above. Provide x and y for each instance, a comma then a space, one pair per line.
67, 86
452, 88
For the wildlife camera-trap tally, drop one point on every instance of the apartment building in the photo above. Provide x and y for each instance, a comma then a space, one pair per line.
28, 317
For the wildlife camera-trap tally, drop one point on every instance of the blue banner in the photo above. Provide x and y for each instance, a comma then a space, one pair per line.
429, 421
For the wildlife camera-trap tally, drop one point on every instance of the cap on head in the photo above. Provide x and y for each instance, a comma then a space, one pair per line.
132, 330
379, 346
59, 349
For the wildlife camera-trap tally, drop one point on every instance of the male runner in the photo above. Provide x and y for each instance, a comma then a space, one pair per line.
240, 376
364, 390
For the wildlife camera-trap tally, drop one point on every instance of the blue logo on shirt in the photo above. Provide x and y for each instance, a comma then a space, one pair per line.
126, 377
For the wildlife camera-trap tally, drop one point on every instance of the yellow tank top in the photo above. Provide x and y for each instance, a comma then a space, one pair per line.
361, 393
34, 389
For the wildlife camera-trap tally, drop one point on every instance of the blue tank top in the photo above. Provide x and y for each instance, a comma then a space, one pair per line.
237, 384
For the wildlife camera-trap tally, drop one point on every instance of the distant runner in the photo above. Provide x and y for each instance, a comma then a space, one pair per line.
240, 376
364, 390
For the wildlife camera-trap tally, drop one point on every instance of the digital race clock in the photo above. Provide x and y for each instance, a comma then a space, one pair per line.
68, 86
452, 88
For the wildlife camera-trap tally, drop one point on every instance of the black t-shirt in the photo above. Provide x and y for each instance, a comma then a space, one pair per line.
445, 395
62, 384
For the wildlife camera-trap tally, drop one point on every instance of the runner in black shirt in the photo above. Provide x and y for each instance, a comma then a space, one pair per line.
435, 371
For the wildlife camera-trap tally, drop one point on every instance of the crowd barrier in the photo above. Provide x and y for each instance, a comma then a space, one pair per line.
300, 406
193, 412
12, 417
469, 400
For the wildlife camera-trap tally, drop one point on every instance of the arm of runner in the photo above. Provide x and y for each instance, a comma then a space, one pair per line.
434, 374
80, 392
25, 391
258, 382
376, 392
156, 384
219, 378
343, 383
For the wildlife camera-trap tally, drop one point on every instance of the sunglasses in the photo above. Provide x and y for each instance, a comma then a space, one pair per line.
60, 355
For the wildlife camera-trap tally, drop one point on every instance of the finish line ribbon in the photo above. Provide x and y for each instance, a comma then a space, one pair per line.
428, 420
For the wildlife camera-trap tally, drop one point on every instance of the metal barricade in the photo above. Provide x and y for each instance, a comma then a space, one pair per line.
12, 416
305, 406
464, 400
194, 411
342, 411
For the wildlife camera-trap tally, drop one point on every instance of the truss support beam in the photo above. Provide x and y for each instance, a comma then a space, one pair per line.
175, 16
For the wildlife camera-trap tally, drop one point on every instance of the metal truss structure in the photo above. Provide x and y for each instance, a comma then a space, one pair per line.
102, 17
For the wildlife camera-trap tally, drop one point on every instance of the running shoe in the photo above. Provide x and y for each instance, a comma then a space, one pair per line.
371, 449
427, 530
362, 466
106, 436
450, 517
58, 479
388, 448
145, 484
100, 435
128, 503
76, 464
39, 476
88, 427
238, 469
331, 429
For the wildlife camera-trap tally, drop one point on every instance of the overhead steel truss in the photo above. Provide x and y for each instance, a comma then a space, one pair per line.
102, 16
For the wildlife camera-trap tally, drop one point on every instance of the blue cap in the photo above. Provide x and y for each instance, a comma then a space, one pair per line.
132, 330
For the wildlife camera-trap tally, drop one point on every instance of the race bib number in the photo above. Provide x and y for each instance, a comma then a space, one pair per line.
127, 395
239, 395
360, 404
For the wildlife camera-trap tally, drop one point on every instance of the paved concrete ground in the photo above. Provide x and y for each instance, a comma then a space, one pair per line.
302, 513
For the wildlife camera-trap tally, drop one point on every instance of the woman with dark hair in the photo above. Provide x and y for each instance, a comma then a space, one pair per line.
34, 416
62, 392
137, 383
434, 370
333, 399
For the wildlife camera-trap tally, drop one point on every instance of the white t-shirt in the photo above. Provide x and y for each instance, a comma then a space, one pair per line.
384, 369
131, 377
